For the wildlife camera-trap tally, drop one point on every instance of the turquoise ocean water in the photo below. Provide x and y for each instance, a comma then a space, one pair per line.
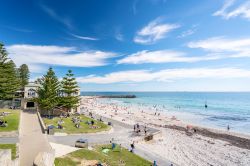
224, 108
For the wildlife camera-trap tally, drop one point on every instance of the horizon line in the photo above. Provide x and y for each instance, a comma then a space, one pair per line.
176, 91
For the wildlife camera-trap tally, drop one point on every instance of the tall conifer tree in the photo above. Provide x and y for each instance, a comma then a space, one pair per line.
24, 75
48, 92
9, 82
70, 90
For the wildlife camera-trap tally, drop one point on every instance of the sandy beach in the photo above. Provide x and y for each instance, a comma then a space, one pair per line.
197, 148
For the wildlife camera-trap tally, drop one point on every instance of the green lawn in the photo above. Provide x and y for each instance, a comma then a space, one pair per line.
10, 146
69, 126
112, 158
12, 119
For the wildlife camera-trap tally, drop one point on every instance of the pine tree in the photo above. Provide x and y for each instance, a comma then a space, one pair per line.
3, 54
9, 82
70, 98
48, 92
3, 79
24, 75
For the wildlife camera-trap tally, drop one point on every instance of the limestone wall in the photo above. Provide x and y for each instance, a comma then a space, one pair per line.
5, 158
5, 103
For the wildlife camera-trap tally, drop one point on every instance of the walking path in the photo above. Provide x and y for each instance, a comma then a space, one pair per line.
8, 140
32, 140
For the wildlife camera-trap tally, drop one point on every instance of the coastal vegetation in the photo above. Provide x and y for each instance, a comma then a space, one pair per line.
8, 75
56, 99
103, 154
70, 98
12, 117
68, 126
12, 147
48, 98
24, 75
53, 94
11, 77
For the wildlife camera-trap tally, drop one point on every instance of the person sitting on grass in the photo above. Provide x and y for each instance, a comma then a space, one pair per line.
99, 164
77, 125
59, 126
88, 122
92, 122
3, 123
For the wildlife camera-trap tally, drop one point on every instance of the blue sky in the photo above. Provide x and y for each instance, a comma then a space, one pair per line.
133, 45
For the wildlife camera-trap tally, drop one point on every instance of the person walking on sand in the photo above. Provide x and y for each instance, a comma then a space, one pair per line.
228, 127
132, 147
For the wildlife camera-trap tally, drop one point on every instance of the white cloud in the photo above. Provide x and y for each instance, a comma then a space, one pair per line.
64, 20
230, 10
123, 76
36, 56
83, 37
188, 32
161, 56
226, 46
135, 76
217, 47
153, 32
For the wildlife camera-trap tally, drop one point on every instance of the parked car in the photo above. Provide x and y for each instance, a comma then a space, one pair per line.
81, 143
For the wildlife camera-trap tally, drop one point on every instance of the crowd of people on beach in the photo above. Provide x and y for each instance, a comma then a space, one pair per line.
142, 117
146, 113
137, 129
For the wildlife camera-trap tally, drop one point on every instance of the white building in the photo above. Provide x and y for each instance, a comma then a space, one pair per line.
30, 92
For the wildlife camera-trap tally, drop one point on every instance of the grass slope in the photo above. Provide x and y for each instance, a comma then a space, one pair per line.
69, 127
12, 119
112, 158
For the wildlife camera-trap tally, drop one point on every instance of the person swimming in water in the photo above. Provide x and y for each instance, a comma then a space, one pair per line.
206, 104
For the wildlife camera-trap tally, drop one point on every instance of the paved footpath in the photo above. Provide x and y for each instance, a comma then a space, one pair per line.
32, 140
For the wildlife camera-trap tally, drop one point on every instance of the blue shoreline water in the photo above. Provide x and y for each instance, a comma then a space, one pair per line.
224, 108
